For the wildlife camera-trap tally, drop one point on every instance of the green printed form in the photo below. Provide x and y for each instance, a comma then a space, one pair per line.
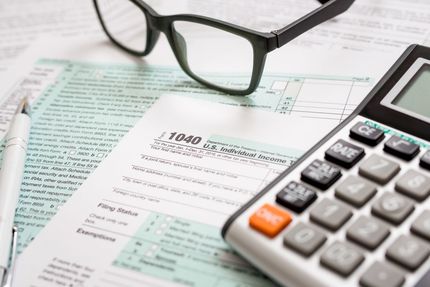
83, 110
190, 252
151, 213
76, 122
193, 253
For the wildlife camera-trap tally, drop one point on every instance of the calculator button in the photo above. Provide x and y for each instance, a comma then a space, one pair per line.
401, 148
341, 258
414, 184
378, 169
330, 214
366, 134
269, 220
425, 160
392, 207
321, 174
304, 239
382, 275
367, 232
344, 154
296, 196
421, 225
409, 252
355, 190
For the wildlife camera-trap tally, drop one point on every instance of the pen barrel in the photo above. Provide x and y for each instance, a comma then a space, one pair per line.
11, 174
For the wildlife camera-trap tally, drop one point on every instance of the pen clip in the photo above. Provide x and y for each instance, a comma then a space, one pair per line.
14, 249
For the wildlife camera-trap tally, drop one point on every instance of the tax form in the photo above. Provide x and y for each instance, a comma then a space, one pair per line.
150, 214
86, 96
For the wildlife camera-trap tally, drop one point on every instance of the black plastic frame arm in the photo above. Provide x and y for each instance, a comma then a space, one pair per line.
329, 9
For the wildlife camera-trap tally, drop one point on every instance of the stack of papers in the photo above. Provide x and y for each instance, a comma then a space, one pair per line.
86, 97
148, 210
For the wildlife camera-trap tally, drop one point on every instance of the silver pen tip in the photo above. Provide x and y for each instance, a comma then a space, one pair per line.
23, 107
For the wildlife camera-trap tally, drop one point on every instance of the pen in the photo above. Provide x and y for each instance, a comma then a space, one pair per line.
11, 174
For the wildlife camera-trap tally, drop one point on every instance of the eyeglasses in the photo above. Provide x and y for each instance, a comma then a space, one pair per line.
135, 27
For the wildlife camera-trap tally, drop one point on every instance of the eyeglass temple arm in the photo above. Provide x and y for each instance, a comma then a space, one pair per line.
328, 10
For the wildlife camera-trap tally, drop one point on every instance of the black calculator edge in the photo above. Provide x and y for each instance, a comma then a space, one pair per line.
356, 112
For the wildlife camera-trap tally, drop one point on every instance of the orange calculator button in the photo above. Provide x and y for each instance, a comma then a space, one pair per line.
269, 220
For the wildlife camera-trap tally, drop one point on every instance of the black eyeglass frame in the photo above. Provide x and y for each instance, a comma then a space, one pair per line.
262, 43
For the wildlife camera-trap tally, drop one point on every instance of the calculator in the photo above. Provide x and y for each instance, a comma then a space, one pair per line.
355, 209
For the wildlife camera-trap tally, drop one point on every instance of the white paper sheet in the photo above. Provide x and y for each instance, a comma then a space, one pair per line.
369, 25
381, 25
151, 213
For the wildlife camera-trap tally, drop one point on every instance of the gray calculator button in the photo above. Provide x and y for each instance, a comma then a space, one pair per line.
421, 225
304, 238
366, 134
382, 275
355, 190
368, 232
401, 148
330, 214
414, 184
321, 174
409, 252
341, 258
392, 207
378, 169
296, 196
425, 160
344, 153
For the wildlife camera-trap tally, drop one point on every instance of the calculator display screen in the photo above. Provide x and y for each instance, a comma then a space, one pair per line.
415, 96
